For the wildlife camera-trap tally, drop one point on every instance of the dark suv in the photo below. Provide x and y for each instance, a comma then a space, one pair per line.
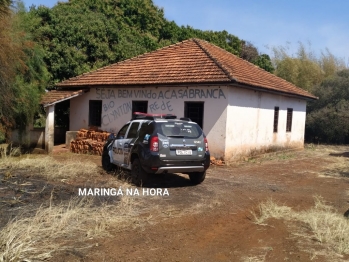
158, 144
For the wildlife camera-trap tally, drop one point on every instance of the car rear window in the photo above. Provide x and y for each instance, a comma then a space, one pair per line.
180, 129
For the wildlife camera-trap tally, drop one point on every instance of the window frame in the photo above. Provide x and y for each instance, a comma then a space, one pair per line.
95, 113
123, 130
139, 103
289, 118
130, 128
201, 118
276, 119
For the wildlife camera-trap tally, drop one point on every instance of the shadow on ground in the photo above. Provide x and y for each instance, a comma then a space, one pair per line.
344, 154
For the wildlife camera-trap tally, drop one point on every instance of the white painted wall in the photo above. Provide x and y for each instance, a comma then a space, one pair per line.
117, 108
237, 121
250, 118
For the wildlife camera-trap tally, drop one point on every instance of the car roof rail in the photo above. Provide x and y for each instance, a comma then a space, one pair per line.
185, 119
140, 115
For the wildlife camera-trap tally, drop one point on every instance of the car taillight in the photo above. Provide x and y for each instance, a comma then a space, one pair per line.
206, 144
154, 144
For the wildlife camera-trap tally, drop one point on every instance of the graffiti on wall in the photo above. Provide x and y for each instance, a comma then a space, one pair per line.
112, 111
161, 105
214, 93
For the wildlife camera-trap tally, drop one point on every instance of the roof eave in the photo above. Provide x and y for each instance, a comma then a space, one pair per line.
271, 91
63, 99
130, 85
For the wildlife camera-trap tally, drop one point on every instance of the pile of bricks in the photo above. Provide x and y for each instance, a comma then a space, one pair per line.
216, 162
89, 141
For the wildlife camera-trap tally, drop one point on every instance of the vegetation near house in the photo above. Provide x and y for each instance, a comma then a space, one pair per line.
42, 46
328, 118
305, 69
327, 225
23, 74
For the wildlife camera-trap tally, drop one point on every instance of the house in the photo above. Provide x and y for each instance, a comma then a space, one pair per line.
242, 109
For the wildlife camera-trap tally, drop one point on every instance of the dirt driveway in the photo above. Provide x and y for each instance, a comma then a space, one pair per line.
214, 221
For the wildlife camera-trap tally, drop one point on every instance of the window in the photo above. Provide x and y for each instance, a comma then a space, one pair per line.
146, 129
132, 132
122, 132
178, 129
95, 113
195, 111
139, 106
276, 119
289, 119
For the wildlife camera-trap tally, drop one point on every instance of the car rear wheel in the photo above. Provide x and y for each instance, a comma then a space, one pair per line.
139, 176
197, 177
107, 166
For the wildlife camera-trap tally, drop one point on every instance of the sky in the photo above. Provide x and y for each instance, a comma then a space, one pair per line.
266, 24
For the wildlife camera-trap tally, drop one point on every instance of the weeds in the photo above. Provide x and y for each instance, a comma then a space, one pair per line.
57, 228
328, 226
49, 167
270, 209
6, 150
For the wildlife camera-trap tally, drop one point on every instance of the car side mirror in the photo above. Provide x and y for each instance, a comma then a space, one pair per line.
111, 136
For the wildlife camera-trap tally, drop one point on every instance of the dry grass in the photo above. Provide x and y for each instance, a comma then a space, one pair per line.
56, 228
328, 226
270, 209
6, 150
49, 167
338, 168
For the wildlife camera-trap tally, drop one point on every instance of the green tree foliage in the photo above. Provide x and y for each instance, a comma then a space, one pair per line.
264, 61
328, 118
5, 7
305, 70
22, 71
82, 35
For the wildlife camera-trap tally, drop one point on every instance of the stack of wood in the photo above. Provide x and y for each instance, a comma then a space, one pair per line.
216, 162
89, 141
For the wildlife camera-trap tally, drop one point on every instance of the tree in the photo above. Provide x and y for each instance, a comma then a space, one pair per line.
248, 51
264, 62
305, 69
83, 35
328, 117
22, 72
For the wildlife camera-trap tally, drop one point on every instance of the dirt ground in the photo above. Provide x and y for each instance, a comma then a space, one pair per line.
212, 221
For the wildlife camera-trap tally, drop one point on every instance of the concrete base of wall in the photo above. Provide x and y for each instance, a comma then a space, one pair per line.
69, 136
264, 154
34, 138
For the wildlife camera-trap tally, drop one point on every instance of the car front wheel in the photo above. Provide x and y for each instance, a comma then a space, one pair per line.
197, 177
139, 176
107, 166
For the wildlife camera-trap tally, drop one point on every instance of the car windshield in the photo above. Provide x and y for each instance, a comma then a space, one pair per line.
180, 129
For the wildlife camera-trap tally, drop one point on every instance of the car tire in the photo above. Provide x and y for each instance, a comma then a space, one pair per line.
197, 177
139, 176
107, 166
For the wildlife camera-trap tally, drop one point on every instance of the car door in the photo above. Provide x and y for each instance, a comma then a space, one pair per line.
128, 142
118, 145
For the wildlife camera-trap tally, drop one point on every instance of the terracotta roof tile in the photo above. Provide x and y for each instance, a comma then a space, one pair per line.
190, 61
55, 96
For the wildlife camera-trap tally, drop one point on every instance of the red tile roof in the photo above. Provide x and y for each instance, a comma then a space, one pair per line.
56, 96
191, 61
